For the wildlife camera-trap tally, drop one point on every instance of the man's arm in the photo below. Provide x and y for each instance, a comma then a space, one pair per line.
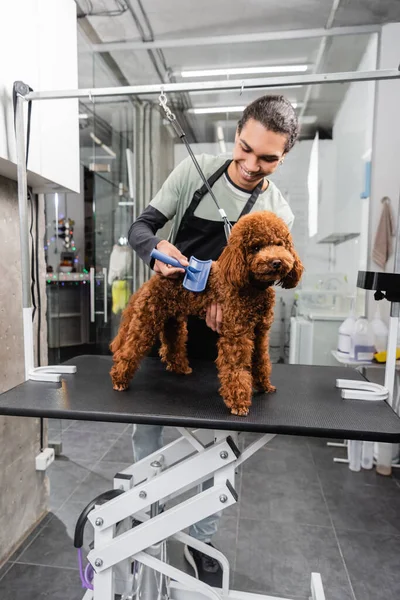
142, 233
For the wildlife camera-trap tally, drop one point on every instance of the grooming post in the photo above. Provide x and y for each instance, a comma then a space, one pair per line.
49, 373
22, 90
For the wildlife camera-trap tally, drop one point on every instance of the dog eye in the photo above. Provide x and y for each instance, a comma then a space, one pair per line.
279, 244
256, 249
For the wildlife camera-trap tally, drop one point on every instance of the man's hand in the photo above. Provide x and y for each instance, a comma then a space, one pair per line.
214, 317
166, 270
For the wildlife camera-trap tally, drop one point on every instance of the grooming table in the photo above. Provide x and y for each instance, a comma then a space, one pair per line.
306, 403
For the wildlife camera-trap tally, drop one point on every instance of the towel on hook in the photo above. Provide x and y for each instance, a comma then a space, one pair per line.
383, 245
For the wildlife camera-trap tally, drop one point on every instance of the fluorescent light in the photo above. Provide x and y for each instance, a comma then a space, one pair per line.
308, 120
221, 139
215, 109
208, 110
246, 71
245, 89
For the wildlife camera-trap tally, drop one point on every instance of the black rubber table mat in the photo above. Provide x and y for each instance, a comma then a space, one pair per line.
306, 402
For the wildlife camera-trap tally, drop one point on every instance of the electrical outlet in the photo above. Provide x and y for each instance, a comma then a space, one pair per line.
44, 459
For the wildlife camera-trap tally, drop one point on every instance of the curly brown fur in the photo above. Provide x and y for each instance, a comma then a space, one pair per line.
259, 253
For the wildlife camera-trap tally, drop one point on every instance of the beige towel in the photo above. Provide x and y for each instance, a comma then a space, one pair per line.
383, 245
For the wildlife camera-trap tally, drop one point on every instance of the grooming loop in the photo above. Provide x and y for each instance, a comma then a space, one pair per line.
362, 390
123, 550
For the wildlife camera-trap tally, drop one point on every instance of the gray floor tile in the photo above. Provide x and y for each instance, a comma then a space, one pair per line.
54, 545
280, 499
64, 476
121, 451
24, 582
373, 564
108, 470
99, 427
281, 466
4, 569
278, 559
92, 486
364, 508
83, 447
31, 537
291, 444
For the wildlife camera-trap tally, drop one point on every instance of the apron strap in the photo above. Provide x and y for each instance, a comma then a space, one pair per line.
252, 200
198, 195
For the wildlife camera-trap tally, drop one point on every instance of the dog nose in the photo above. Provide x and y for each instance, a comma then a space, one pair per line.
276, 264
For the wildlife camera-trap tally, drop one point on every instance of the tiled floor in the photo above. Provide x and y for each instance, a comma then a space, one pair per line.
298, 512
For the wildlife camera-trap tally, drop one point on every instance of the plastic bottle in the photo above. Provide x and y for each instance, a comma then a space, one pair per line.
381, 332
346, 331
354, 450
367, 455
362, 342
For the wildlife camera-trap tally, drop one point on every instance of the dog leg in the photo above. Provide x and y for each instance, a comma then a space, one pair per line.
261, 362
134, 346
173, 345
234, 371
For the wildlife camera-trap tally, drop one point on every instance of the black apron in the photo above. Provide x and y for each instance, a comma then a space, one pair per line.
205, 239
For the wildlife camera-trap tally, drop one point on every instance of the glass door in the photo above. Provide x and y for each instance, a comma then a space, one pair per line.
108, 217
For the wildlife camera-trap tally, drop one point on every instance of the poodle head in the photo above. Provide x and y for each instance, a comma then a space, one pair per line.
260, 252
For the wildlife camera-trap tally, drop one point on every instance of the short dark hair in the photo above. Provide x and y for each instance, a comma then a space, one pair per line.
276, 113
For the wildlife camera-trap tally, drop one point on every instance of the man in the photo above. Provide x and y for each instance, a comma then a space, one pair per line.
265, 133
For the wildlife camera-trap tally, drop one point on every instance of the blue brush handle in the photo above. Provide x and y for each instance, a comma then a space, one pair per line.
168, 260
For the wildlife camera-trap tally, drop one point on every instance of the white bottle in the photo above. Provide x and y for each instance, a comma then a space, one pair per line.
346, 331
367, 455
381, 332
354, 450
362, 342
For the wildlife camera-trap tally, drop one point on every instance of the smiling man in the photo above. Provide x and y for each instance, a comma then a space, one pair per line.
266, 132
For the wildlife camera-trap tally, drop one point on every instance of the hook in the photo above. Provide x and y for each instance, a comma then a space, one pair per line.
91, 97
242, 88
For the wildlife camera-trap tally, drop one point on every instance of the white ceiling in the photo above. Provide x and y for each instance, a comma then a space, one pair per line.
160, 20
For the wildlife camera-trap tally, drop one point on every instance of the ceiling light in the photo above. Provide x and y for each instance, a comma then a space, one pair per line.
215, 109
208, 110
246, 71
308, 120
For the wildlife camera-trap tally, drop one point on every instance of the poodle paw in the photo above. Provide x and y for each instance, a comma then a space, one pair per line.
120, 387
179, 370
241, 412
264, 389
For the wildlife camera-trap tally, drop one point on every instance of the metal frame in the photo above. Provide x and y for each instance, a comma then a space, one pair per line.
233, 84
23, 95
186, 462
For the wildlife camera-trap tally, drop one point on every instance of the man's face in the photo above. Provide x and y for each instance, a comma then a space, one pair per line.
256, 153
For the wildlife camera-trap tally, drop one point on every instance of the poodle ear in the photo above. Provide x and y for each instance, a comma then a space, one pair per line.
293, 277
233, 265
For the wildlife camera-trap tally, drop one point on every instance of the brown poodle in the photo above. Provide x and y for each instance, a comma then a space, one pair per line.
259, 254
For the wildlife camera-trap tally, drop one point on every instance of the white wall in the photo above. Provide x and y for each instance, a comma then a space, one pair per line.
38, 45
385, 176
352, 135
